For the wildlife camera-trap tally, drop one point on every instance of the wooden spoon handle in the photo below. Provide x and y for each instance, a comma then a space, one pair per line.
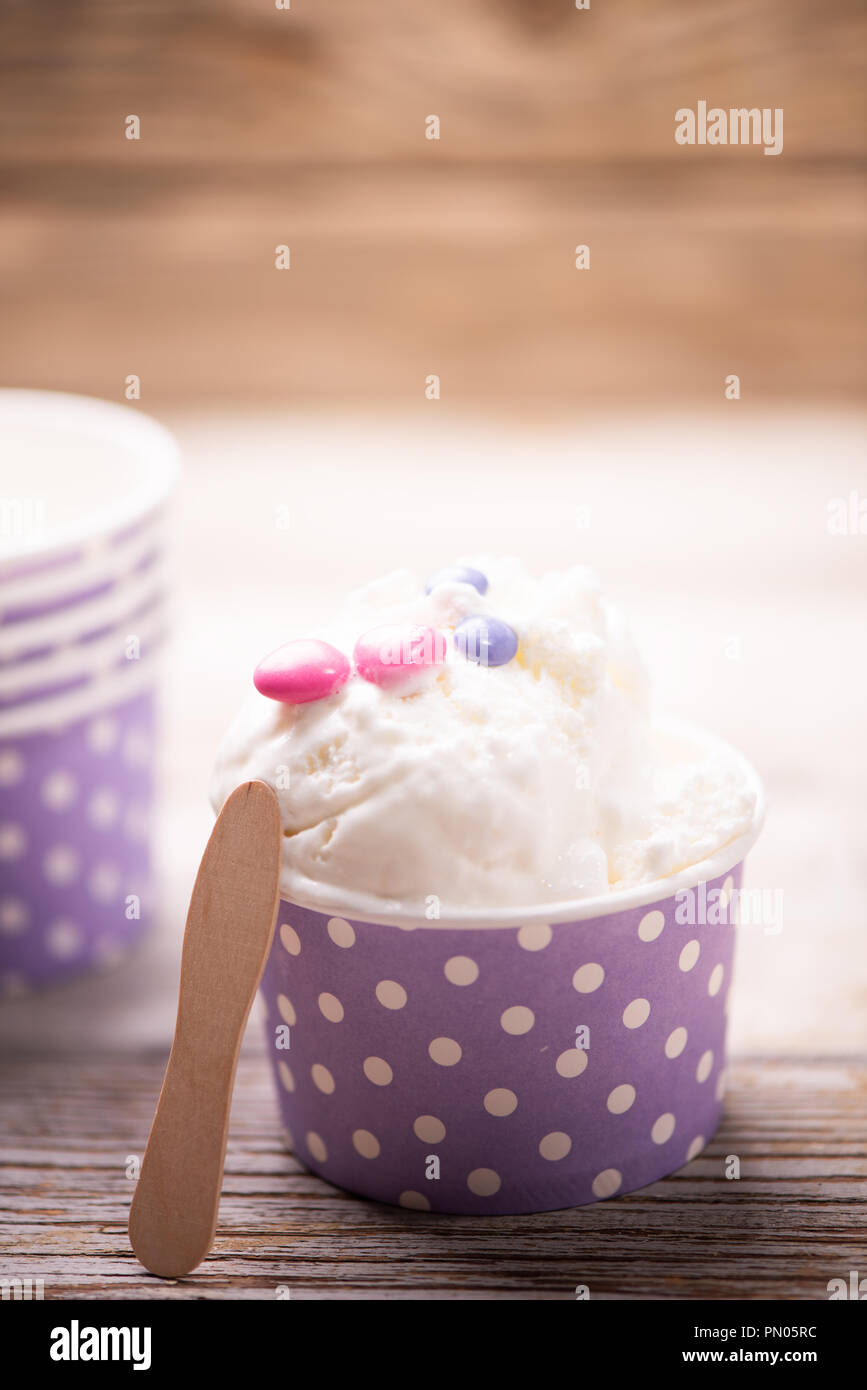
230, 926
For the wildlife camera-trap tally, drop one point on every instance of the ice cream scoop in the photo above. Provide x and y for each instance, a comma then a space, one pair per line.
514, 764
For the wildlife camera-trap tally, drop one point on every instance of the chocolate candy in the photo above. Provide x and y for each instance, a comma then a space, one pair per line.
458, 574
391, 656
487, 641
301, 671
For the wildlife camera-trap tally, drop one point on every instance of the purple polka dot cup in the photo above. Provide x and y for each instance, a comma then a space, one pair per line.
503, 1063
81, 623
76, 810
84, 480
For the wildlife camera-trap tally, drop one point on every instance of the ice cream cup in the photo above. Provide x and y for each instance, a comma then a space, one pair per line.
70, 664
504, 1062
99, 580
81, 576
92, 477
76, 804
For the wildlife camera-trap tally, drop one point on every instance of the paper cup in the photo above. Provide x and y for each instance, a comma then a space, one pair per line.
66, 596
76, 808
73, 665
82, 476
80, 575
502, 1064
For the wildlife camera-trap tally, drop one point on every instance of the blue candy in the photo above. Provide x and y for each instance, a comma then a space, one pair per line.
458, 574
487, 641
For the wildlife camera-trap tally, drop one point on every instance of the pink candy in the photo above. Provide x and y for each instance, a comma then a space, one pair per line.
391, 656
301, 671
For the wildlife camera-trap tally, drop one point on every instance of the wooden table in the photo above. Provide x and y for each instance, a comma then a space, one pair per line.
795, 1219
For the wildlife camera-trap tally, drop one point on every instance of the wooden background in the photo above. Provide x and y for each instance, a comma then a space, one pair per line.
306, 127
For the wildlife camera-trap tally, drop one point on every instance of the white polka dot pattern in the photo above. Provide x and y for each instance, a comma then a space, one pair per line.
438, 1069
330, 1007
316, 1146
571, 1062
517, 1020
414, 1201
75, 886
663, 1128
366, 1143
636, 1013
322, 1079
555, 1146
11, 767
588, 978
535, 937
606, 1183
445, 1052
651, 925
689, 955
14, 915
429, 1129
461, 970
378, 1071
621, 1099
342, 933
286, 1010
501, 1101
290, 939
484, 1182
390, 994
705, 1064
59, 790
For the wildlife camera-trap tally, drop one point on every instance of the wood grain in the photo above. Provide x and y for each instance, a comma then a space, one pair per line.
466, 274
794, 1220
216, 81
413, 257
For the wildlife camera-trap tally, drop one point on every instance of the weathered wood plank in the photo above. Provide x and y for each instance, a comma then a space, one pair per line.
794, 1220
414, 257
466, 274
355, 79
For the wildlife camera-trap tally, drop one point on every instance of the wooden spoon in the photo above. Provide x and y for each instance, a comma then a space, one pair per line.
230, 925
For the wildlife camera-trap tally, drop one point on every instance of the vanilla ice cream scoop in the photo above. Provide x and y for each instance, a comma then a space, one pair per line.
484, 743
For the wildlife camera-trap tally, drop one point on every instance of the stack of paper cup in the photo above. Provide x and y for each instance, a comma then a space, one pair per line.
83, 492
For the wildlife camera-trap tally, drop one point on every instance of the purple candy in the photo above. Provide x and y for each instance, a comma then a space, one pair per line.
458, 574
488, 641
